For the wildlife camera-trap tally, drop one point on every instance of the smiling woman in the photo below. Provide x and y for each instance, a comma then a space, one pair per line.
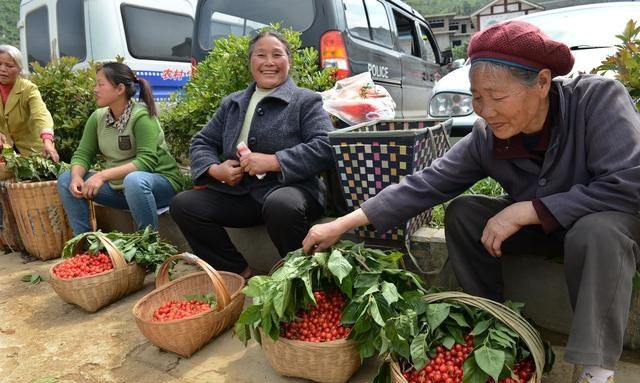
285, 129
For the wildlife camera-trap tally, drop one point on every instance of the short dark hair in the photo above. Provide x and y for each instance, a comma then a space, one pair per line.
254, 40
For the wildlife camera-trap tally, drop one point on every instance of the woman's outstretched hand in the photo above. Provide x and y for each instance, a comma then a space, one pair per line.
50, 151
324, 235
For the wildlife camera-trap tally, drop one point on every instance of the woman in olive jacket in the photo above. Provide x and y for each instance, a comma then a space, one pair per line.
25, 122
285, 128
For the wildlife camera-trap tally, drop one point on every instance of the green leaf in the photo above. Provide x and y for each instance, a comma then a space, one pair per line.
437, 313
390, 292
481, 327
338, 265
490, 361
250, 315
471, 372
375, 312
419, 351
33, 279
460, 319
448, 342
384, 374
366, 280
257, 286
353, 311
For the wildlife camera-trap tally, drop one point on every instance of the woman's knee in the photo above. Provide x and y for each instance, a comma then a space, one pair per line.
285, 205
136, 181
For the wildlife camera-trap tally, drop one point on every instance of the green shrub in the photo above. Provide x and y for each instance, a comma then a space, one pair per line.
626, 61
69, 97
487, 186
223, 72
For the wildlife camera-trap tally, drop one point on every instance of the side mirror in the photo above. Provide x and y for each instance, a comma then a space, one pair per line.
447, 57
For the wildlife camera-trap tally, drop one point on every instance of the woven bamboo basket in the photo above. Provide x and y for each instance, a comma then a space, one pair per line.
96, 291
188, 335
9, 235
40, 217
326, 362
516, 322
5, 173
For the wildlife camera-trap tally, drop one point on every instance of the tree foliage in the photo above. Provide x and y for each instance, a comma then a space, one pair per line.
69, 97
626, 61
9, 14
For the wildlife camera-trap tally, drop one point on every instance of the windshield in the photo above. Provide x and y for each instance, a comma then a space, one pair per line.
594, 26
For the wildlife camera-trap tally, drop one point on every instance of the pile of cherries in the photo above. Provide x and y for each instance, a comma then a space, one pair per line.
446, 366
83, 265
320, 323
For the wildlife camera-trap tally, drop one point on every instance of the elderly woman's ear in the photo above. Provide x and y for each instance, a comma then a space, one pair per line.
544, 80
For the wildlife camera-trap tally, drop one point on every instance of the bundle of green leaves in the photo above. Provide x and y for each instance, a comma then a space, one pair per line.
376, 290
145, 247
413, 336
33, 168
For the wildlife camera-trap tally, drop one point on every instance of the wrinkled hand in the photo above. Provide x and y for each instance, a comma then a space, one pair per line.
228, 172
50, 151
92, 185
75, 186
506, 223
258, 163
321, 237
3, 140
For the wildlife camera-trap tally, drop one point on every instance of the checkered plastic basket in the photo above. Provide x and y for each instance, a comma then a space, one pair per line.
374, 155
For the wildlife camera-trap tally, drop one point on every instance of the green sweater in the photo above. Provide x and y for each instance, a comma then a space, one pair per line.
141, 143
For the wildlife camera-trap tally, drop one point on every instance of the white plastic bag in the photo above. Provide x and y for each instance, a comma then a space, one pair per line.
358, 99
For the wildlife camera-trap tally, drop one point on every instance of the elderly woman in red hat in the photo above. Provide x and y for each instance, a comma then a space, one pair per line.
567, 153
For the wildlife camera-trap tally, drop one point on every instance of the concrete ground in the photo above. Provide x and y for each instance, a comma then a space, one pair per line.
45, 340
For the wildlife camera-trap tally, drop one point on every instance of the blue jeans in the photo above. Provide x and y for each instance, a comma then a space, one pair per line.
143, 194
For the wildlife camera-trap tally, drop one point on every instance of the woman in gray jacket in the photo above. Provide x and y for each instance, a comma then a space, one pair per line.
567, 152
276, 181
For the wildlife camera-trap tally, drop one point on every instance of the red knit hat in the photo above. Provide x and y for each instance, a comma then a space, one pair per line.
520, 44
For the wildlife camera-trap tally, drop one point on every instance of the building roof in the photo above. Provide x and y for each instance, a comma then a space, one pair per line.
495, 2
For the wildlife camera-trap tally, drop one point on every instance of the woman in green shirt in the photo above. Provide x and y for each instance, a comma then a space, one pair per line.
140, 174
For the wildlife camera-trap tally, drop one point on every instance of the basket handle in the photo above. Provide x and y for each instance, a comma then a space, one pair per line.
219, 287
529, 335
116, 256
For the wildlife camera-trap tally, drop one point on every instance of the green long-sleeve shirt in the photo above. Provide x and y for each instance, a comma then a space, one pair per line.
141, 143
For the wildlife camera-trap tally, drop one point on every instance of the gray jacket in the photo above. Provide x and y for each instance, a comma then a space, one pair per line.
592, 162
289, 123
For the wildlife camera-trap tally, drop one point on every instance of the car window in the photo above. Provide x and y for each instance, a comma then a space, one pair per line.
220, 18
407, 34
148, 36
70, 20
37, 25
368, 20
429, 54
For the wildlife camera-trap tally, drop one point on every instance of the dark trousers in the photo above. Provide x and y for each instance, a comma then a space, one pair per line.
203, 214
600, 256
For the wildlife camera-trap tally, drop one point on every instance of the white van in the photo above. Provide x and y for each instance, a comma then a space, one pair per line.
153, 36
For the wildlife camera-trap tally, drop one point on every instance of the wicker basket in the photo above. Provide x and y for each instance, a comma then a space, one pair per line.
96, 291
40, 217
5, 173
186, 336
9, 235
327, 362
529, 335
